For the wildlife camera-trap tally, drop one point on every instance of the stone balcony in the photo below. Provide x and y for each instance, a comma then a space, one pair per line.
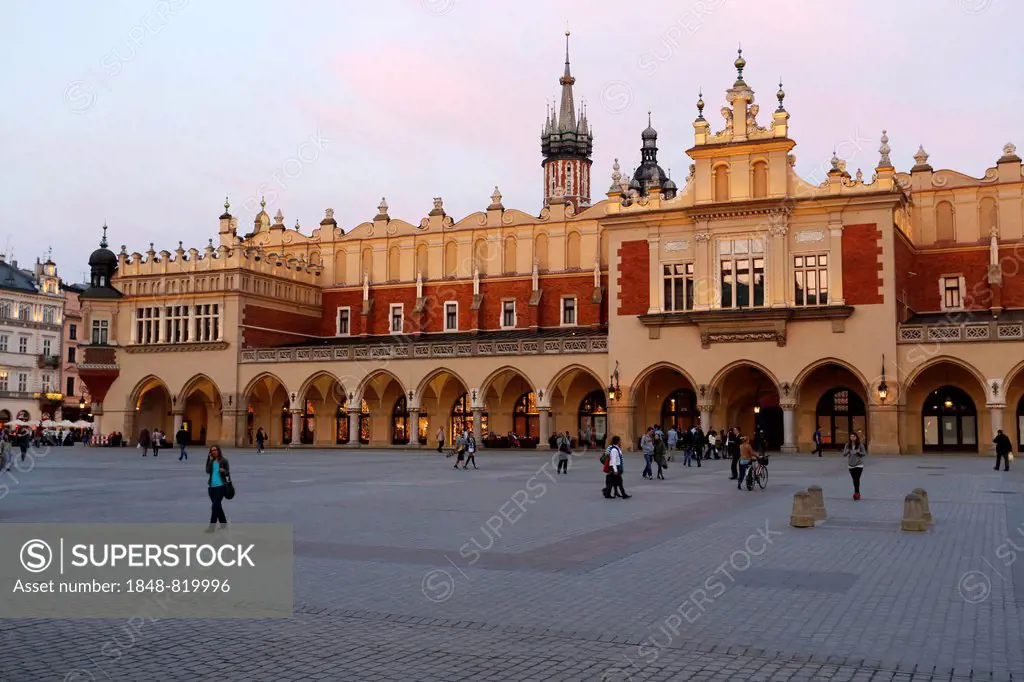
484, 344
47, 361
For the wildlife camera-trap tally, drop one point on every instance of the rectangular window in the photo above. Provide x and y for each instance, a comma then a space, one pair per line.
49, 315
70, 388
508, 314
23, 345
176, 324
451, 316
3, 343
22, 382
344, 315
72, 354
678, 287
397, 318
5, 309
3, 381
44, 383
569, 311
46, 347
741, 273
73, 331
24, 311
207, 323
147, 325
100, 331
952, 292
810, 274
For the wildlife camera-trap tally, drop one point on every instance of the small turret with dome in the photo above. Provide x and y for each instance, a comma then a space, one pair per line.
102, 266
649, 174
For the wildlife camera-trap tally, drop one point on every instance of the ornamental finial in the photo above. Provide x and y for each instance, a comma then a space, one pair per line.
780, 95
700, 105
883, 150
740, 63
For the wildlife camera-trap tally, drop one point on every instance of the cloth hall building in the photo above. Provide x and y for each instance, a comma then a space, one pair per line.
887, 302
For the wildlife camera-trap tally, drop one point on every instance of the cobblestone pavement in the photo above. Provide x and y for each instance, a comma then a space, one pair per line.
406, 569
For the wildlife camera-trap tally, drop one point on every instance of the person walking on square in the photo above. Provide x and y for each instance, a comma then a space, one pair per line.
460, 448
1003, 450
218, 474
144, 442
818, 441
6, 451
564, 452
855, 452
181, 439
470, 451
712, 444
699, 443
659, 455
261, 439
647, 447
157, 439
673, 441
615, 469
440, 439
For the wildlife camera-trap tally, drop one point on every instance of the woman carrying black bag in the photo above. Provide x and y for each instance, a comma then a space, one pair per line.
218, 474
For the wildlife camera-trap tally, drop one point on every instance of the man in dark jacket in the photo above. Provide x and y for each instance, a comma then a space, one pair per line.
733, 447
181, 440
1003, 450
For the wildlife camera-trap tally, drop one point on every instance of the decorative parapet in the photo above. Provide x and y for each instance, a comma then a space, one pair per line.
414, 350
252, 259
960, 333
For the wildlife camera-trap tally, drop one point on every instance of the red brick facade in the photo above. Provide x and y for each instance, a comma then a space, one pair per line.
276, 327
862, 271
634, 286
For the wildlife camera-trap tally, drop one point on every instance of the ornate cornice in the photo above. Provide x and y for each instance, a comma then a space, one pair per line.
176, 347
774, 207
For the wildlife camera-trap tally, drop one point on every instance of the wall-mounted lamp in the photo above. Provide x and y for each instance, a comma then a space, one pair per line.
883, 388
81, 403
613, 384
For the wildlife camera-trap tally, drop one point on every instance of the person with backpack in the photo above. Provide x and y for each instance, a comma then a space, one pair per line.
564, 452
1003, 449
612, 463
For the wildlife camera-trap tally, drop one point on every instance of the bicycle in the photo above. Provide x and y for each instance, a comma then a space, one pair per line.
758, 473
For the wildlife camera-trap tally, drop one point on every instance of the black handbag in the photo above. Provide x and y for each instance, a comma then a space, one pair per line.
229, 488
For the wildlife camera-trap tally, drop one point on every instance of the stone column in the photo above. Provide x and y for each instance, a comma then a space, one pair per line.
414, 427
835, 260
544, 414
704, 268
296, 428
788, 428
353, 428
654, 274
178, 418
620, 423
478, 431
705, 416
995, 415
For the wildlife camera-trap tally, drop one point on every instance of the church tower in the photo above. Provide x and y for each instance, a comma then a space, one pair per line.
566, 144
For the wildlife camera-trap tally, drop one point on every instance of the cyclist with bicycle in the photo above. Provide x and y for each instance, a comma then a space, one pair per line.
747, 457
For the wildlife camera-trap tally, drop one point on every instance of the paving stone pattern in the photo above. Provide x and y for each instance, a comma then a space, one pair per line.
399, 577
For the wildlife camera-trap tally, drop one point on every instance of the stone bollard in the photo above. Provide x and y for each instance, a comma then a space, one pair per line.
913, 514
801, 516
923, 494
816, 498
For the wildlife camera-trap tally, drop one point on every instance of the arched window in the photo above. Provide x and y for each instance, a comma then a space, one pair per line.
840, 412
400, 423
720, 176
510, 255
451, 259
340, 266
421, 260
462, 418
540, 246
680, 410
593, 417
949, 420
525, 418
394, 264
568, 179
945, 225
760, 180
989, 219
480, 256
572, 251
367, 264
